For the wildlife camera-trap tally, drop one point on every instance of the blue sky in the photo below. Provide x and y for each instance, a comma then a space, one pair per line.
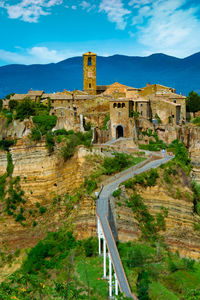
45, 31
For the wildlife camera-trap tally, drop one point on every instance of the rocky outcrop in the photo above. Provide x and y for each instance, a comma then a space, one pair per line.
43, 177
179, 234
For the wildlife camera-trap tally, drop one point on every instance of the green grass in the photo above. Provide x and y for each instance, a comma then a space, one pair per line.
93, 267
159, 291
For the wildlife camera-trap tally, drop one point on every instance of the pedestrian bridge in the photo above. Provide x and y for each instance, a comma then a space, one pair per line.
105, 234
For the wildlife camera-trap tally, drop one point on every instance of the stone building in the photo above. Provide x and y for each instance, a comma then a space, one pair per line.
123, 103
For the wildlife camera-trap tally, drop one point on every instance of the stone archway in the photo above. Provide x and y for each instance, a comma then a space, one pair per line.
119, 131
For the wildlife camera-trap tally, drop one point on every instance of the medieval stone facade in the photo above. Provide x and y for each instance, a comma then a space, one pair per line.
151, 105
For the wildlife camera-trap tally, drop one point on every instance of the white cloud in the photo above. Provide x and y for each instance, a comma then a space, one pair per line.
29, 10
36, 55
164, 26
87, 6
74, 7
115, 11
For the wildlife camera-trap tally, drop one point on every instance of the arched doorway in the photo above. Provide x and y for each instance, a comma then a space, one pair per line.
119, 132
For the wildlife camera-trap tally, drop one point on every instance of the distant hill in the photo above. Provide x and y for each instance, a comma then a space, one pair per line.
182, 74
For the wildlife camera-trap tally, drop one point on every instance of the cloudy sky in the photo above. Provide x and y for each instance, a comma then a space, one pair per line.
44, 31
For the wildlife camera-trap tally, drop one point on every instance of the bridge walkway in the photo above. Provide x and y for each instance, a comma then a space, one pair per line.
102, 214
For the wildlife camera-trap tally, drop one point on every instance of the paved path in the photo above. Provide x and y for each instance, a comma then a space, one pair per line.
102, 213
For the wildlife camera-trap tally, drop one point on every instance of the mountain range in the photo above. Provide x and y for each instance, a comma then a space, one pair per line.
181, 74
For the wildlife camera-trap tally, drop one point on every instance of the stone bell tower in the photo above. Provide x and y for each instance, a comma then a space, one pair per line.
89, 73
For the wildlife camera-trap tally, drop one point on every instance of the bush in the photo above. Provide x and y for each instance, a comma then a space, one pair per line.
117, 193
6, 144
119, 162
25, 109
60, 132
90, 185
49, 142
90, 246
45, 123
36, 135
34, 223
10, 166
20, 217
42, 210
193, 102
49, 252
104, 127
75, 139
149, 225
13, 104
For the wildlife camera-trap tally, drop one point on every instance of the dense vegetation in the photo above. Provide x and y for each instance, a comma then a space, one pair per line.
193, 102
71, 140
58, 267
155, 273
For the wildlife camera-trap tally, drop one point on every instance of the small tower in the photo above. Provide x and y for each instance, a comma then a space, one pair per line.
89, 73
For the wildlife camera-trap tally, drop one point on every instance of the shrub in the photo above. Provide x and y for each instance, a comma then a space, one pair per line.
75, 139
49, 252
34, 223
25, 109
49, 142
36, 134
60, 132
117, 193
2, 186
149, 225
90, 246
143, 282
45, 123
119, 162
20, 217
104, 127
42, 210
10, 166
12, 104
152, 177
90, 185
6, 144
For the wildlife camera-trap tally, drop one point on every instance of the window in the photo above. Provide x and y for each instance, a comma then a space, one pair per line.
141, 104
90, 85
123, 105
141, 113
172, 116
119, 105
52, 101
89, 61
174, 101
119, 114
114, 105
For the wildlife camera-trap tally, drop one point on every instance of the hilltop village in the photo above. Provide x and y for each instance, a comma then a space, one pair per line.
151, 106
81, 170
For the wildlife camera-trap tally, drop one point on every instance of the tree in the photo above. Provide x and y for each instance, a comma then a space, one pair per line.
12, 104
25, 109
193, 102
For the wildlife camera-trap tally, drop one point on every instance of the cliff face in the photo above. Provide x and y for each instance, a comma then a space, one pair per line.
43, 177
179, 233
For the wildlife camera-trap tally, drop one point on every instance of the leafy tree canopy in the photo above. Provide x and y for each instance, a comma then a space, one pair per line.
193, 102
